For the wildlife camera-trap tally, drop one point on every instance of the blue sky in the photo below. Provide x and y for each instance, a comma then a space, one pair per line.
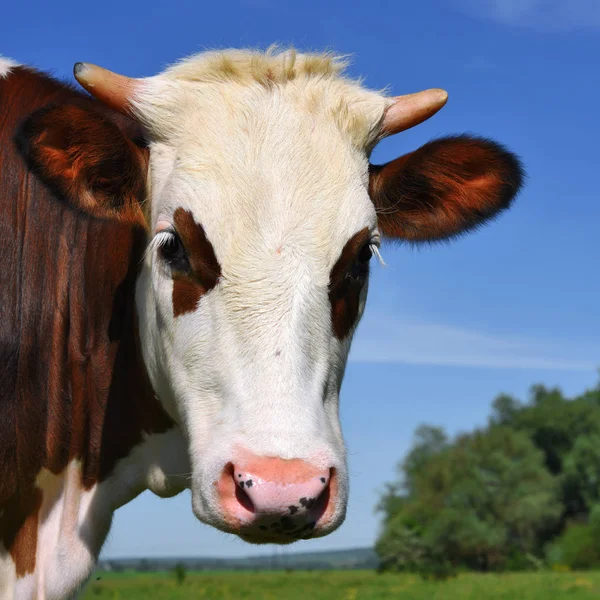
448, 326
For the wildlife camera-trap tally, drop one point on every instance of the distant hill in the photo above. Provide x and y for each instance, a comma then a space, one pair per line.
357, 558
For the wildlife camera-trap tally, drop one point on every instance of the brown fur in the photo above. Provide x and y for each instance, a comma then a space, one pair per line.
444, 188
205, 270
345, 286
18, 525
186, 294
72, 381
87, 159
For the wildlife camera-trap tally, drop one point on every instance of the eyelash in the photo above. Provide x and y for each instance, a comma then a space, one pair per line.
374, 246
161, 241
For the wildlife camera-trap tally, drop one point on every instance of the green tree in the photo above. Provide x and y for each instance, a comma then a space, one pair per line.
582, 468
564, 430
428, 441
475, 502
498, 497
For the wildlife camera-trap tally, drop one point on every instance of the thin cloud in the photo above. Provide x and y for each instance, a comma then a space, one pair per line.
387, 339
545, 15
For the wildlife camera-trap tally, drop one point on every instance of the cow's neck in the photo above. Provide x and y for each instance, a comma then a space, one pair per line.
71, 522
88, 433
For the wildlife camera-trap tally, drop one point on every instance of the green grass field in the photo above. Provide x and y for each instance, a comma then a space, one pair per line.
343, 585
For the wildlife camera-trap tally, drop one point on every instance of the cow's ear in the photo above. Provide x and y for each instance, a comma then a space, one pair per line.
444, 188
87, 159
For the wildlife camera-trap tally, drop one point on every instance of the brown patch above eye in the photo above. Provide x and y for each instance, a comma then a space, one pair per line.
189, 287
344, 291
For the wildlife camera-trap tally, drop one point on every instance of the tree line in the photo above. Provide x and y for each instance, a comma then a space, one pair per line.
522, 492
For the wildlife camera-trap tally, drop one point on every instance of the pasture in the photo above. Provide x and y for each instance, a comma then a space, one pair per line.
343, 585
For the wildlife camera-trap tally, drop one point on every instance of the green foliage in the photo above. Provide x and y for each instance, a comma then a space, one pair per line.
496, 498
401, 548
567, 432
582, 468
578, 547
429, 442
180, 573
471, 503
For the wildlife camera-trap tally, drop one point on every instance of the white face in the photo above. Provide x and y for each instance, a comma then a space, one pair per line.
248, 300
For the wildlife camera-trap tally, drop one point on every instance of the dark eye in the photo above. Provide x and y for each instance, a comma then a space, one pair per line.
360, 267
365, 254
173, 252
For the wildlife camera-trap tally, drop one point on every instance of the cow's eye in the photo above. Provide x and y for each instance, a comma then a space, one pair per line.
365, 254
173, 253
360, 267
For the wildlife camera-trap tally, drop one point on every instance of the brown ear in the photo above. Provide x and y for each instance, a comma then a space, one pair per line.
86, 159
444, 188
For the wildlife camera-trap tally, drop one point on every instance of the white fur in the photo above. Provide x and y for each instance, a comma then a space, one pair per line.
74, 522
64, 558
270, 154
6, 66
8, 576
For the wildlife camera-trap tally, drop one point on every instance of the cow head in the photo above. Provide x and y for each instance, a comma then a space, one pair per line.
263, 213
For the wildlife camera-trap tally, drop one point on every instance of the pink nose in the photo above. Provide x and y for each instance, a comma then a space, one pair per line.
274, 499
291, 492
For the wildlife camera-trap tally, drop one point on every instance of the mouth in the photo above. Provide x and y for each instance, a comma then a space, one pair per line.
300, 522
280, 532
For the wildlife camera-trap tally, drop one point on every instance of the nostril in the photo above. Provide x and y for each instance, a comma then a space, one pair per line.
243, 498
321, 502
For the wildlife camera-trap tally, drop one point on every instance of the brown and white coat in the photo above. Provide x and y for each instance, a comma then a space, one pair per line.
181, 280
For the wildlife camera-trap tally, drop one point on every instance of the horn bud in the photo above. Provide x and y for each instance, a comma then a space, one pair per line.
112, 89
